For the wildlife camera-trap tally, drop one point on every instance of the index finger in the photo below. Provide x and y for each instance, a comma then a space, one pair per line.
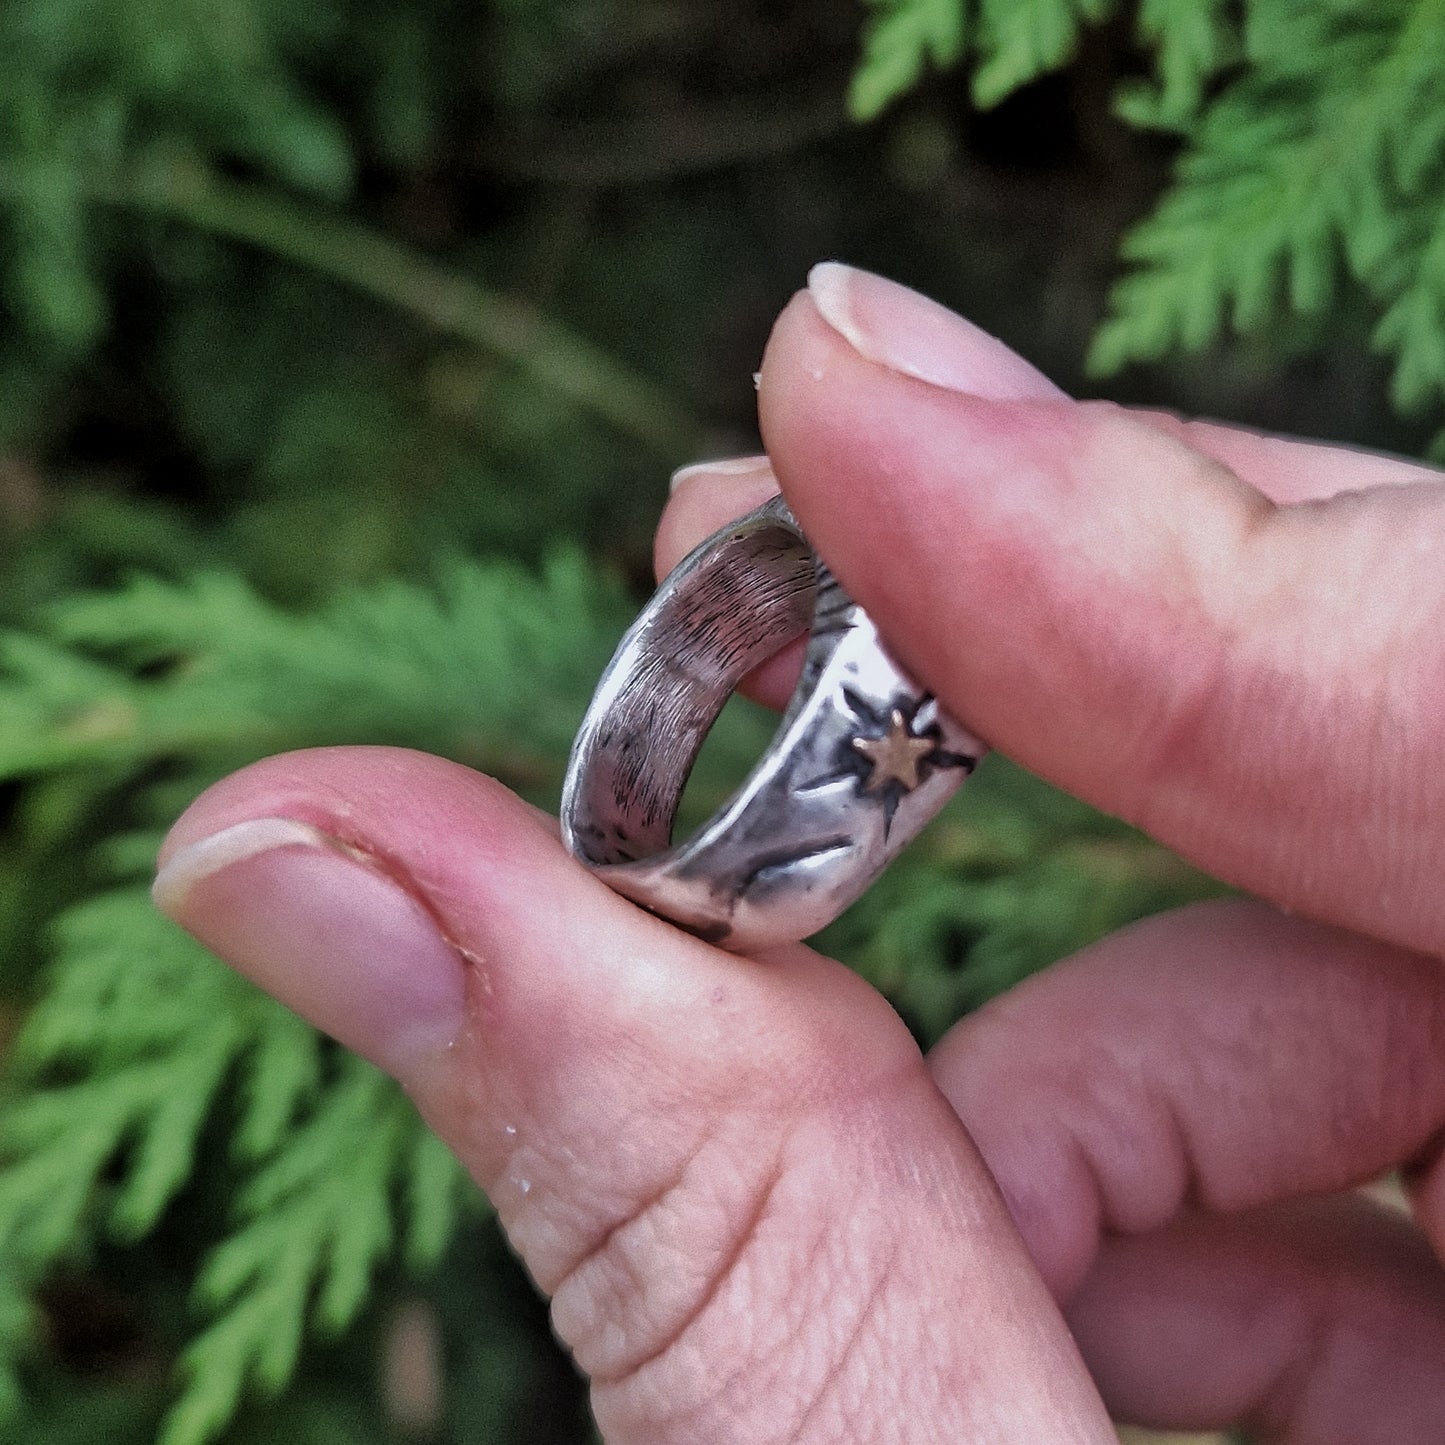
1260, 687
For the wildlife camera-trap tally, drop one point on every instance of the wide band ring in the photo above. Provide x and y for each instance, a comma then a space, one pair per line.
862, 760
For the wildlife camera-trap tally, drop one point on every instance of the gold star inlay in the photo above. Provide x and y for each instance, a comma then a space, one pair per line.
895, 756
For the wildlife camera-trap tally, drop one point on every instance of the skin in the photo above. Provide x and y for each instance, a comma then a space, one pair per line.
1129, 1185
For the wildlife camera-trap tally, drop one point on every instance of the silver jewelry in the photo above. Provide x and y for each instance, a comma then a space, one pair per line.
862, 760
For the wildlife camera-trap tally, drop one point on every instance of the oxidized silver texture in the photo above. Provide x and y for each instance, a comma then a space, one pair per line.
862, 760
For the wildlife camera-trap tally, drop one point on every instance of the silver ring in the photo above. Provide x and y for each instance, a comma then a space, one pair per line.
863, 758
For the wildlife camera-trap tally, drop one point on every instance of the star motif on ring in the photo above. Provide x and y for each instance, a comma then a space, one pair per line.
895, 756
898, 747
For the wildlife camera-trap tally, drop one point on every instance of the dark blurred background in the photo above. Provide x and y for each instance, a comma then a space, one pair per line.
279, 374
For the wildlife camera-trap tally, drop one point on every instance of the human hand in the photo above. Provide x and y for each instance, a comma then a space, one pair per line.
751, 1199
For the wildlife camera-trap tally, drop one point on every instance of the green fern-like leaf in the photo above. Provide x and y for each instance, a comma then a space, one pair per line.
314, 1224
140, 1037
491, 665
115, 1072
121, 1058
1017, 43
435, 1195
1192, 41
901, 39
1321, 161
1317, 163
129, 1053
1413, 326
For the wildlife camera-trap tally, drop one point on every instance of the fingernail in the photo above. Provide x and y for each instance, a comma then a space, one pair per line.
723, 467
905, 331
323, 929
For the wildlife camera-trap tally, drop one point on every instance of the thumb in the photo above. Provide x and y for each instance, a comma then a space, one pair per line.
758, 1219
1261, 687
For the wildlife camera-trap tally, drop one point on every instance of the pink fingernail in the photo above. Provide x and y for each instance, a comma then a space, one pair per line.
905, 331
324, 930
723, 467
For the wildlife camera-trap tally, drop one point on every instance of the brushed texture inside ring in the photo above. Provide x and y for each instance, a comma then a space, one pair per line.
861, 761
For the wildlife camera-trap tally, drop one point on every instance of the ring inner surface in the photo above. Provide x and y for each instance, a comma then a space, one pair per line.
741, 605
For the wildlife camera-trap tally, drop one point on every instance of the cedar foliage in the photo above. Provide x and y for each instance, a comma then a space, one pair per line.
334, 341
1312, 157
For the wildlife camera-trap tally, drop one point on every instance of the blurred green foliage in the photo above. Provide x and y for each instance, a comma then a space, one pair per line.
344, 351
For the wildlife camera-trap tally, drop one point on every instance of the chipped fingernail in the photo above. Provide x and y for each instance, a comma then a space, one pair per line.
723, 467
320, 925
909, 333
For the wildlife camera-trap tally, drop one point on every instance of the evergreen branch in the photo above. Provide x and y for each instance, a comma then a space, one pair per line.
316, 1221
547, 353
122, 1055
1321, 158
140, 1036
436, 1193
901, 39
1413, 327
1192, 40
491, 665
125, 1058
283, 1071
1017, 43
1310, 161
111, 1080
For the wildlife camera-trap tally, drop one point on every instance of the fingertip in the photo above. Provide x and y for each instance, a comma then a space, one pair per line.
704, 497
719, 469
345, 880
322, 877
914, 335
328, 930
1253, 684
